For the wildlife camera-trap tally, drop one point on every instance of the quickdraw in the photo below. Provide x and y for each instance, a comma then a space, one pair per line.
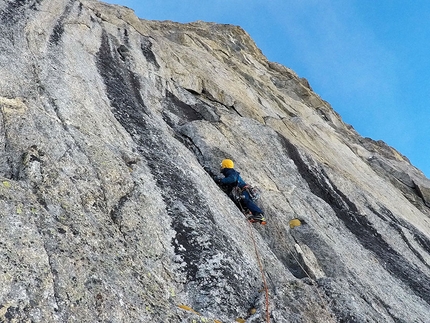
237, 192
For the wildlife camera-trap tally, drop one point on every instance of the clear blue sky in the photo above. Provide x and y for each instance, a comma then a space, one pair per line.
370, 59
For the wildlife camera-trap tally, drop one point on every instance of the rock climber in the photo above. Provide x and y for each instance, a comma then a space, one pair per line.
244, 201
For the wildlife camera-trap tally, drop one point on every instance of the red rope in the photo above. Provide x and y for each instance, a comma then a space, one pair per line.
266, 289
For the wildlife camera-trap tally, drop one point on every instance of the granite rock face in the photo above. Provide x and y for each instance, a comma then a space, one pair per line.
111, 130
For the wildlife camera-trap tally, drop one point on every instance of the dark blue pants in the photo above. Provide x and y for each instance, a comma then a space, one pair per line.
247, 202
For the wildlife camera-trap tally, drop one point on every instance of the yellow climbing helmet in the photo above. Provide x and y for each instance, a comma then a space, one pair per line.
227, 163
295, 223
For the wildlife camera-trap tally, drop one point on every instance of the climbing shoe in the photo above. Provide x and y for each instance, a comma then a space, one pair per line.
257, 218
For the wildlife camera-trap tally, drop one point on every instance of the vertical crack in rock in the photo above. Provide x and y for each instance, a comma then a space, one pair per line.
422, 240
397, 225
146, 47
39, 217
389, 310
195, 149
119, 79
192, 220
10, 169
58, 29
54, 273
360, 226
116, 214
185, 112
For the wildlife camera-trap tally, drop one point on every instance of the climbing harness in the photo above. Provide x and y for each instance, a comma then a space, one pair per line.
254, 192
237, 192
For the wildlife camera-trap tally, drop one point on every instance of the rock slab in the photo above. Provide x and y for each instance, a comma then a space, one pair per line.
111, 129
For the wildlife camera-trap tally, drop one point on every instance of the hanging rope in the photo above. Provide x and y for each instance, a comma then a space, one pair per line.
266, 289
260, 265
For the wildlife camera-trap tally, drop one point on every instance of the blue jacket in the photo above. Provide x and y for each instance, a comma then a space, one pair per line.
231, 177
